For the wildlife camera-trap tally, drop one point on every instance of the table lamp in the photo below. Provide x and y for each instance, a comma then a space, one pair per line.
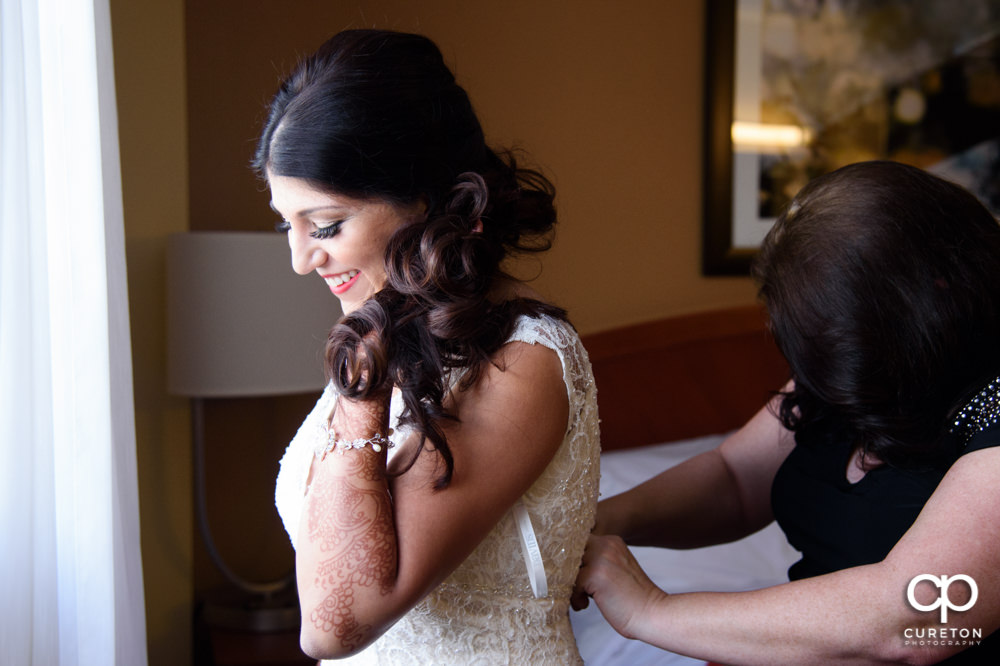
241, 323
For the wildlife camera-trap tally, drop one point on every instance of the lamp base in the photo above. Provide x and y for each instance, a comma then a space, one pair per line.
241, 611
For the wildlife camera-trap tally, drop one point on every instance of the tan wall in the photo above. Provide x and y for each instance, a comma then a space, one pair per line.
152, 121
605, 96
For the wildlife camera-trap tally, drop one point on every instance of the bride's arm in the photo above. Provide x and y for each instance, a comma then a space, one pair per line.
371, 546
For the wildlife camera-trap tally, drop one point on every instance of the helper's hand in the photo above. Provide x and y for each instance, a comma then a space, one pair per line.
612, 578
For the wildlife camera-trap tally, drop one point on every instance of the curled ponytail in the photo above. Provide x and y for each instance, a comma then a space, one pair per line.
434, 317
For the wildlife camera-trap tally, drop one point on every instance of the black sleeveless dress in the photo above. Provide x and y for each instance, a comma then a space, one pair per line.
836, 524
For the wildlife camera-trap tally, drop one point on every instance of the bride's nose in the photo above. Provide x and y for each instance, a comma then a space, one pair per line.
307, 252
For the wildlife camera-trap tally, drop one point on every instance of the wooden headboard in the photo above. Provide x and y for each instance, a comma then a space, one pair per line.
684, 376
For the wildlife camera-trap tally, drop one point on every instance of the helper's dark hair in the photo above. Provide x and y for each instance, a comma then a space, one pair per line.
378, 115
882, 283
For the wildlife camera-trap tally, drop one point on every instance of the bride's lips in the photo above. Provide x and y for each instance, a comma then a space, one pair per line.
341, 282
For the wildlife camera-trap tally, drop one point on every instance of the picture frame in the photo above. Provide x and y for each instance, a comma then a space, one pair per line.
797, 88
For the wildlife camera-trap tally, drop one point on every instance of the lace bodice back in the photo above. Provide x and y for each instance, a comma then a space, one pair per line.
485, 612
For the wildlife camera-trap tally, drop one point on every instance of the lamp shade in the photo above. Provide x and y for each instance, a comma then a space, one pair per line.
240, 321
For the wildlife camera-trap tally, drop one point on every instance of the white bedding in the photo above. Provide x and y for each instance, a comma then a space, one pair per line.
759, 560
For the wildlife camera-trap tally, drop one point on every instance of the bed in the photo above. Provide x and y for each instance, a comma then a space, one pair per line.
668, 390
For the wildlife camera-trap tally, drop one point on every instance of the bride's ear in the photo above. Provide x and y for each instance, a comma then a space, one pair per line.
422, 206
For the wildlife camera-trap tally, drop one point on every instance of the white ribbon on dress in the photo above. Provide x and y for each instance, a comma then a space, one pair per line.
532, 553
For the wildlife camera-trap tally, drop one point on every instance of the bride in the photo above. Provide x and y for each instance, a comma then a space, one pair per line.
440, 494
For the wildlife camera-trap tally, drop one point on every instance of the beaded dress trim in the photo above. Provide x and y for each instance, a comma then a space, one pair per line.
980, 413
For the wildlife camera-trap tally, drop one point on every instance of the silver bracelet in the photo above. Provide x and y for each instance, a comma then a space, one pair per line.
330, 442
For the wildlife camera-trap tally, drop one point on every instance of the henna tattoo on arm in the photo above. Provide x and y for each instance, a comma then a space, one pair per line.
350, 522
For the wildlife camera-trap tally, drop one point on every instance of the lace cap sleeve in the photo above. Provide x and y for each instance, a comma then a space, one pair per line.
561, 337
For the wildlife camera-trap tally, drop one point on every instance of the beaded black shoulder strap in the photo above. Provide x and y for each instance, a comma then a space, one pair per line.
980, 413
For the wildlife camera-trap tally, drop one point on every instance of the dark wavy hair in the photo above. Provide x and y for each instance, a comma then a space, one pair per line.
377, 115
882, 284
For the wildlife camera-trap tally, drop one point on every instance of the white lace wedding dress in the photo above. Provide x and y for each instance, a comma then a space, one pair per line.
485, 612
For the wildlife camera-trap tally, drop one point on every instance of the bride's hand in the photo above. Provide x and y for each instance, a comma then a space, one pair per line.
360, 418
364, 416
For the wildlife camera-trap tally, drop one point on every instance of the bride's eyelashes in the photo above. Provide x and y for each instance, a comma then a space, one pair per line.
319, 233
322, 233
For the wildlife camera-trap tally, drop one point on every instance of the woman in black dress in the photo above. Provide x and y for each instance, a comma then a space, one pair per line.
879, 459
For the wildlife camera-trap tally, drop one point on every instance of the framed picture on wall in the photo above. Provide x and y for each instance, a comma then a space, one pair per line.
798, 88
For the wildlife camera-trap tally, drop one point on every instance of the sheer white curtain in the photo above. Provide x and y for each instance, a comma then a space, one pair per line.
70, 571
